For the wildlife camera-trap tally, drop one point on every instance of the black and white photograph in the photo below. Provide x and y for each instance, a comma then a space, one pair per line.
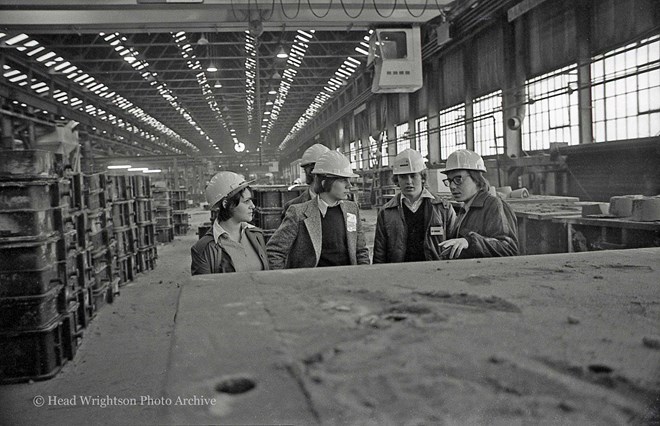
330, 212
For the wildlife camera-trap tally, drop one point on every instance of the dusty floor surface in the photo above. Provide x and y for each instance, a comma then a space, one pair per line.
342, 350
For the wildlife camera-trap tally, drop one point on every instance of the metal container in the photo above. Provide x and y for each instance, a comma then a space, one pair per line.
29, 282
27, 223
27, 312
37, 254
28, 195
30, 164
35, 354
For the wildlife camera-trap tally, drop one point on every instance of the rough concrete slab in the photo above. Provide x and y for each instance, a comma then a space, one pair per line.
556, 339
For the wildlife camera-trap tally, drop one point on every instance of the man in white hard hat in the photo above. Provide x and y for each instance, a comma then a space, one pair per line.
325, 231
309, 159
487, 227
232, 244
412, 225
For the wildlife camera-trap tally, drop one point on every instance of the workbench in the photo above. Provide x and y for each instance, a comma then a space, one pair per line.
537, 233
607, 233
554, 339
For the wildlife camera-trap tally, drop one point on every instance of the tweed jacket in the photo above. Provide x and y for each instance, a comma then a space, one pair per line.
297, 242
392, 232
490, 226
302, 198
208, 257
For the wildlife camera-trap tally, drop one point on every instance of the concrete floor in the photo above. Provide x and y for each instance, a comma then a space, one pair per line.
124, 351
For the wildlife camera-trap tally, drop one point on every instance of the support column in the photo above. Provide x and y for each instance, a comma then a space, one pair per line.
7, 133
432, 111
513, 99
175, 171
86, 161
583, 37
468, 72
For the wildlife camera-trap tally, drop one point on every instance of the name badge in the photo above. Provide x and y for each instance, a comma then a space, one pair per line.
351, 222
437, 230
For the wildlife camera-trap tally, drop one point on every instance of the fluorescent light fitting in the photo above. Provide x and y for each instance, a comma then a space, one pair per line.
124, 166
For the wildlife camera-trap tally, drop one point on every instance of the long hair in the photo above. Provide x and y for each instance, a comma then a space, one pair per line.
309, 177
479, 178
323, 183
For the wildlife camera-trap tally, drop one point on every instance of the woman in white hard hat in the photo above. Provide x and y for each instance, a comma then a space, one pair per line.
309, 159
232, 244
412, 225
325, 231
487, 227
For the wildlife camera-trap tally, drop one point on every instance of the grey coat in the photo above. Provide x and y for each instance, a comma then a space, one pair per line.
297, 242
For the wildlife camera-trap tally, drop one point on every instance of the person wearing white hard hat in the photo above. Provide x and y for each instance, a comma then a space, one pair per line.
487, 227
232, 244
412, 225
309, 159
325, 231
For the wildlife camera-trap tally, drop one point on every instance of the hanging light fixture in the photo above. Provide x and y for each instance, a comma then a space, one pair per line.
276, 75
211, 67
281, 53
217, 84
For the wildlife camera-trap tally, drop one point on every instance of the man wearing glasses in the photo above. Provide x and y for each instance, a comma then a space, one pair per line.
486, 227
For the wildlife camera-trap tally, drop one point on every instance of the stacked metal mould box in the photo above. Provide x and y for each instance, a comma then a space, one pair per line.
179, 201
145, 258
100, 226
164, 215
35, 290
269, 201
125, 222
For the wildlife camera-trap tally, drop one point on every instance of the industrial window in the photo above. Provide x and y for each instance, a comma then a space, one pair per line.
393, 44
385, 152
358, 154
452, 130
402, 137
373, 153
626, 92
422, 135
352, 154
488, 130
552, 110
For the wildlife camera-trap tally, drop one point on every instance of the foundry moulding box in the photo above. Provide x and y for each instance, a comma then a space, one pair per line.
35, 354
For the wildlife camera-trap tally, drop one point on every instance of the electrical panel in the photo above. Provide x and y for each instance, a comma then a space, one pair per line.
397, 57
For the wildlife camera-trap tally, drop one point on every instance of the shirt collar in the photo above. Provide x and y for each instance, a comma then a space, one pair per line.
219, 231
468, 204
413, 207
323, 206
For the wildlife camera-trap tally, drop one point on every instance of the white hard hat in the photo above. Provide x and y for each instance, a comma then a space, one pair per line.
464, 159
335, 164
224, 184
408, 161
312, 154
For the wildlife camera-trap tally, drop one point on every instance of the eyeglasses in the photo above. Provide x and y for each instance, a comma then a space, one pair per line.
456, 180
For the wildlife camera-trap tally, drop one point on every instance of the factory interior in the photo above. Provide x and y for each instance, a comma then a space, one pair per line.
116, 116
